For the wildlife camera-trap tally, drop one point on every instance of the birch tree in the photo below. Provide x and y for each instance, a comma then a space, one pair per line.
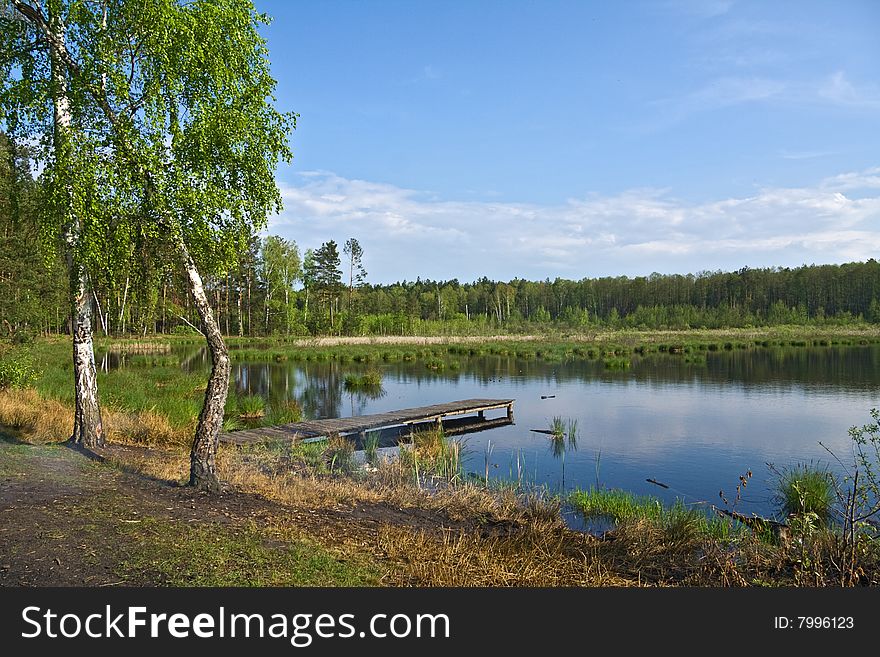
37, 105
183, 96
281, 269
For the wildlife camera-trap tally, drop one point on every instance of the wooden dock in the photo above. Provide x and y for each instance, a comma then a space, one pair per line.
359, 425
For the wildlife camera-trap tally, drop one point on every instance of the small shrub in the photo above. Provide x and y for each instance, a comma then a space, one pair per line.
17, 371
23, 336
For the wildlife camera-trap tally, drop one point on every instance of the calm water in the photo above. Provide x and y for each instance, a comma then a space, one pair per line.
696, 428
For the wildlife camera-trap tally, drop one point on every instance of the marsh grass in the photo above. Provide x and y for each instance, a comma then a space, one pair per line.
806, 489
250, 406
624, 507
47, 420
433, 457
372, 378
339, 455
284, 412
371, 447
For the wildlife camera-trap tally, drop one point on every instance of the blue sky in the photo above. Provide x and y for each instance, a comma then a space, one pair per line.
580, 139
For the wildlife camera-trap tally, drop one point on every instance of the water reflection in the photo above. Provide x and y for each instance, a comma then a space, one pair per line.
693, 425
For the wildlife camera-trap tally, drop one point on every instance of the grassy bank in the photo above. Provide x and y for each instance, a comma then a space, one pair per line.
418, 517
152, 400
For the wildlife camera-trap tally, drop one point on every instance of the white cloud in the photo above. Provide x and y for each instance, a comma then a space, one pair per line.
407, 233
839, 90
861, 180
725, 92
803, 155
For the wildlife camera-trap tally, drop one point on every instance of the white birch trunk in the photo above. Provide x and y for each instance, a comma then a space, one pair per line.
203, 469
88, 430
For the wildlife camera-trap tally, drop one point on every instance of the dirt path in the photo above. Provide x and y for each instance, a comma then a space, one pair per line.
67, 520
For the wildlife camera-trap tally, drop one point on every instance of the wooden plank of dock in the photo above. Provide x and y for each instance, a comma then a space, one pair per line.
362, 423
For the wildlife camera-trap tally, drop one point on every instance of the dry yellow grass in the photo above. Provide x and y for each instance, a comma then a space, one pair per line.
47, 420
40, 420
537, 554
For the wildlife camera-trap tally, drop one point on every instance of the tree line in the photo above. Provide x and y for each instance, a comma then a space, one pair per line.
271, 287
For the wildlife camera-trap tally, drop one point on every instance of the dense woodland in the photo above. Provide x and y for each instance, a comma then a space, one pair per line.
275, 289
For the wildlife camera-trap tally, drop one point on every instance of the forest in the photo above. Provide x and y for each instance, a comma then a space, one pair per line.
272, 288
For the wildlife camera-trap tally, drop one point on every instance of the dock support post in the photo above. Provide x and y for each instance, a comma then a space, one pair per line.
510, 412
482, 415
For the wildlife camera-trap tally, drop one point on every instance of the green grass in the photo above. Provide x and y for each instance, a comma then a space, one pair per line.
806, 489
251, 406
372, 378
166, 390
623, 506
371, 447
181, 554
284, 413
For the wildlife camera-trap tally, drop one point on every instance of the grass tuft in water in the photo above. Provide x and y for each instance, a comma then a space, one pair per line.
625, 507
370, 379
806, 489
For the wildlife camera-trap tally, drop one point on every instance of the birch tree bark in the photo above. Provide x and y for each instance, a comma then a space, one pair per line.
88, 429
203, 471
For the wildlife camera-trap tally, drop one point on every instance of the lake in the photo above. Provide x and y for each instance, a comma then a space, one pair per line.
695, 427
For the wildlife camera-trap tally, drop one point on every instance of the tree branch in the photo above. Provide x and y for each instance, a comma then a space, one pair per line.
191, 325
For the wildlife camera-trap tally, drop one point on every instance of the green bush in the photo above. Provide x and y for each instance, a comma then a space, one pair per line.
17, 371
184, 329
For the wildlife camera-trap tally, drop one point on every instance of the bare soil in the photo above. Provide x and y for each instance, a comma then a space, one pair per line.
66, 516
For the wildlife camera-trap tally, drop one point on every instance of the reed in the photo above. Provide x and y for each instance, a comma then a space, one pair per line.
806, 489
371, 447
251, 406
625, 507
433, 457
372, 378
284, 413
